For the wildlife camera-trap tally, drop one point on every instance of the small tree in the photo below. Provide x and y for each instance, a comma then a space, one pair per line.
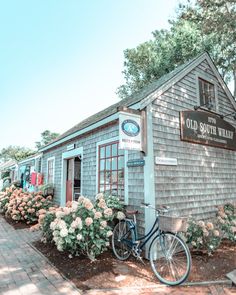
16, 153
46, 137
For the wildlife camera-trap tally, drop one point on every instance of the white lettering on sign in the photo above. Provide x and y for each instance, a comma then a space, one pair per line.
211, 120
207, 129
225, 133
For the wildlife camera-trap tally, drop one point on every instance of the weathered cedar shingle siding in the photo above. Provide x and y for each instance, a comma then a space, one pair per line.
89, 162
205, 176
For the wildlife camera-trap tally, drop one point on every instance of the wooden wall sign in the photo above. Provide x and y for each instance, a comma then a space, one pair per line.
207, 129
136, 163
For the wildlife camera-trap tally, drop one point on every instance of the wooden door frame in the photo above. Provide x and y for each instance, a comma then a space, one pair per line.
65, 156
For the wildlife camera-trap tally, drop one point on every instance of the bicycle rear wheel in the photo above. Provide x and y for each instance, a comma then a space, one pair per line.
122, 235
170, 259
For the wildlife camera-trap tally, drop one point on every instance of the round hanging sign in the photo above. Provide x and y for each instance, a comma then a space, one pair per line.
130, 127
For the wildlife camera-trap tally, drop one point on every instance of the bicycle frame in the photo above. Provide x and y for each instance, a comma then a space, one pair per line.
142, 241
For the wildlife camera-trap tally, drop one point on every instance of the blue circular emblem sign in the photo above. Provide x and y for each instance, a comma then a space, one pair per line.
130, 127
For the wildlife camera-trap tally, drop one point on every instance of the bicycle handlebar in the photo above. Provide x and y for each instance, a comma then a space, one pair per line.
161, 208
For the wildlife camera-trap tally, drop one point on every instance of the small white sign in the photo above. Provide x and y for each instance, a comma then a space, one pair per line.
130, 132
70, 147
166, 161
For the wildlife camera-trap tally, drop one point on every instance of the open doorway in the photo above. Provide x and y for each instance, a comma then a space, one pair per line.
73, 179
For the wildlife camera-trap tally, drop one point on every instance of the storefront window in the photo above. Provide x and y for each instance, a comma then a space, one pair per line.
50, 176
206, 92
111, 170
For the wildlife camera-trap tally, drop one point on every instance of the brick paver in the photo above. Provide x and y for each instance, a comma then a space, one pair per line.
24, 271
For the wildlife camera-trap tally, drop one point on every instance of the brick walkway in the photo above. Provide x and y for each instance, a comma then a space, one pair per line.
23, 271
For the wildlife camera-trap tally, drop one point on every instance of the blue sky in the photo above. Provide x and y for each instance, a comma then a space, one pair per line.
61, 61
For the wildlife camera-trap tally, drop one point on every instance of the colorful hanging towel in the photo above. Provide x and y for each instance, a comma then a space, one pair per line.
40, 179
33, 178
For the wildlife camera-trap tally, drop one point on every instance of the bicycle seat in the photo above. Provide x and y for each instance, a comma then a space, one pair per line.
132, 212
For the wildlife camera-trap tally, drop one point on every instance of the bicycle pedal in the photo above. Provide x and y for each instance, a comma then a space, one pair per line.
141, 260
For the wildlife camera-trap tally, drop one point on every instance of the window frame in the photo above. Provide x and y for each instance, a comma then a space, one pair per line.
53, 169
208, 79
125, 185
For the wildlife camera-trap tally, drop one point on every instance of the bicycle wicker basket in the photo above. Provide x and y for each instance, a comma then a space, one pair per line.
173, 223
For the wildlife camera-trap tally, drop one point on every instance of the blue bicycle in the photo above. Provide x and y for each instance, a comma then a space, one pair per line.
168, 254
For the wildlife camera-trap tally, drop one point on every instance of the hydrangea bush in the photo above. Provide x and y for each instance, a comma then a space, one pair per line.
24, 206
227, 221
203, 236
82, 227
5, 198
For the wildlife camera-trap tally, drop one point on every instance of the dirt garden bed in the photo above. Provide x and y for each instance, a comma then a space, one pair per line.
16, 225
108, 272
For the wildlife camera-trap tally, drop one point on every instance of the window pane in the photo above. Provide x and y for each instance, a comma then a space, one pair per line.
121, 162
108, 151
114, 150
102, 165
101, 190
102, 152
205, 93
114, 177
201, 92
108, 164
121, 152
114, 164
108, 178
121, 177
102, 178
212, 92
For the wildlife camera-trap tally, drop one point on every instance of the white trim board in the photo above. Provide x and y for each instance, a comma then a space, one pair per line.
149, 185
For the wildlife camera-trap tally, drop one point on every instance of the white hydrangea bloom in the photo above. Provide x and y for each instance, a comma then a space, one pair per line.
99, 196
97, 215
64, 232
109, 233
79, 237
79, 222
74, 206
67, 210
60, 214
60, 248
56, 233
71, 230
103, 224
61, 224
108, 212
53, 225
120, 215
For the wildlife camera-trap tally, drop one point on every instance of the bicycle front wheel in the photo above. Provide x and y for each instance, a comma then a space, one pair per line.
121, 238
170, 259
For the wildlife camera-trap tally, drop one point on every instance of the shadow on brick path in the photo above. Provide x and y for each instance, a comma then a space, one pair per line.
23, 270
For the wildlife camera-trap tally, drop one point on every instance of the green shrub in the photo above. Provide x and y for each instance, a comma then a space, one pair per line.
227, 221
82, 227
24, 206
203, 236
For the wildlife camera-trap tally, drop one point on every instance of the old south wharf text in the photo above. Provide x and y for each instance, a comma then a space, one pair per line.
205, 128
